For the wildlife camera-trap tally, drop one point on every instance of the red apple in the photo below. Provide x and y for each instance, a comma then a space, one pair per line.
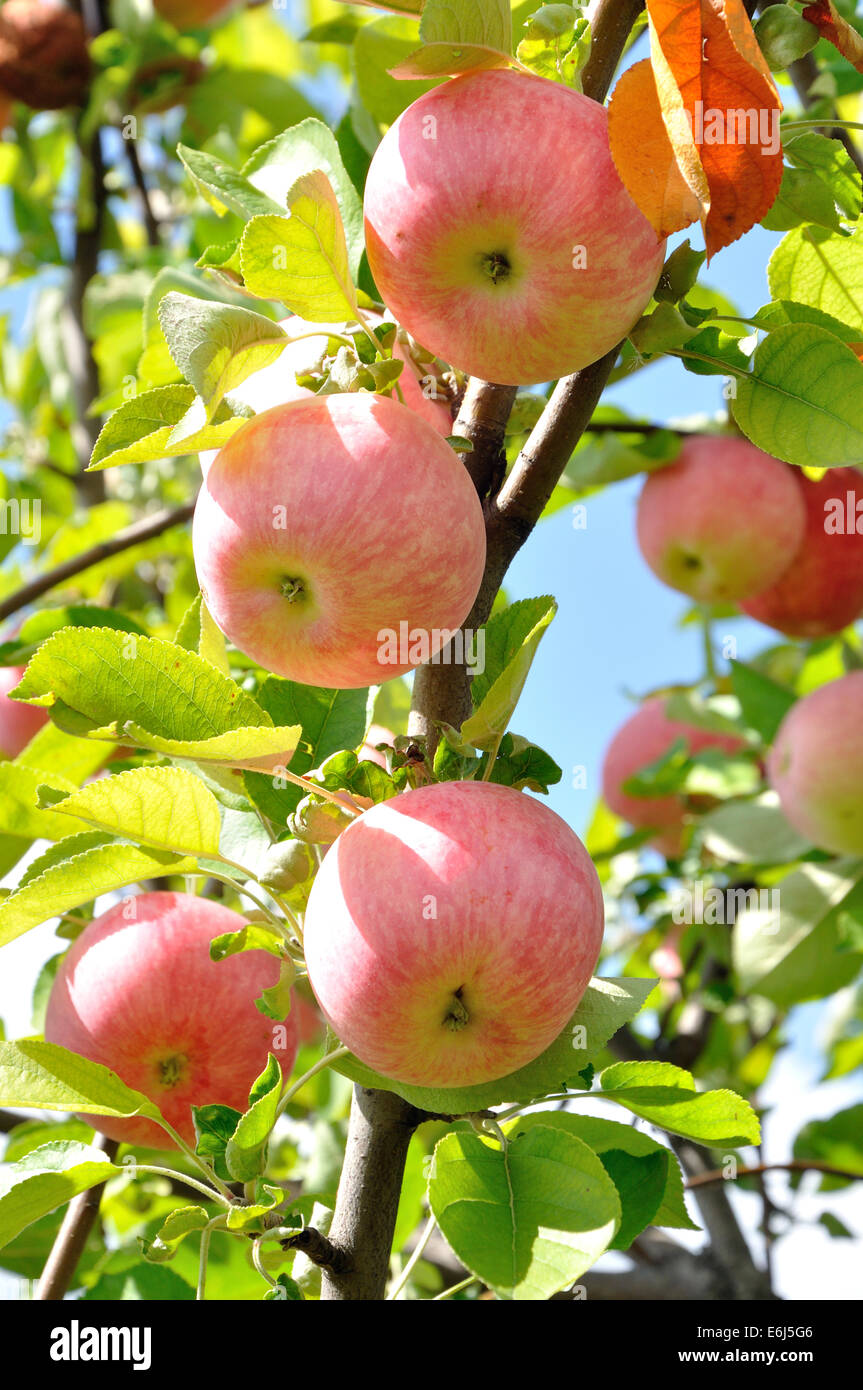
822, 590
192, 14
277, 384
451, 932
43, 54
327, 523
139, 993
498, 230
816, 765
723, 521
645, 738
18, 722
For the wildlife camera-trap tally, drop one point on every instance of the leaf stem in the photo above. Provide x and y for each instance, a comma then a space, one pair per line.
413, 1261
320, 1065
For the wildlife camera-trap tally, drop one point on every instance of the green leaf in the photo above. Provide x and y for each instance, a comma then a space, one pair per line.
465, 21
42, 1076
100, 681
223, 188
640, 1183
763, 702
247, 748
449, 59
837, 1141
803, 399
141, 1283
603, 1136
830, 160
240, 1218
142, 429
510, 648
19, 811
216, 346
604, 1008
521, 764
45, 1179
788, 950
214, 1125
784, 36
305, 147
173, 1231
198, 633
556, 44
275, 1002
752, 832
529, 1219
330, 720
89, 865
821, 268
666, 1096
40, 625
784, 311
165, 807
246, 1150
302, 260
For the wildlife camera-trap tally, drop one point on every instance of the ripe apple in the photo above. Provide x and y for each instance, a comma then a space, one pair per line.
498, 230
43, 54
192, 14
139, 993
451, 932
643, 739
723, 521
18, 722
326, 522
277, 384
816, 765
822, 590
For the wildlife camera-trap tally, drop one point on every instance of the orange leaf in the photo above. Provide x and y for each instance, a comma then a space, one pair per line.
644, 156
744, 174
720, 109
831, 26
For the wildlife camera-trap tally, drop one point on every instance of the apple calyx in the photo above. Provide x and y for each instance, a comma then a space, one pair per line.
172, 1069
292, 589
496, 265
456, 1016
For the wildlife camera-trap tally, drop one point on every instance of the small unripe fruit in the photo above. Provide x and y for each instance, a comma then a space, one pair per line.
286, 865
139, 993
816, 765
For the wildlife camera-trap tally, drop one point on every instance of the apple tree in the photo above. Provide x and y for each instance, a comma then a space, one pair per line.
308, 331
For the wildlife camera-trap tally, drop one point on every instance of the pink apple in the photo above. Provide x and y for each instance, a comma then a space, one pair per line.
451, 932
645, 738
139, 993
276, 384
324, 525
822, 590
498, 230
723, 521
18, 722
816, 765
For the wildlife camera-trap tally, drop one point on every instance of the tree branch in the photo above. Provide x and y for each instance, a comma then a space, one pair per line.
317, 1248
72, 1237
136, 534
381, 1126
744, 1280
150, 220
797, 1165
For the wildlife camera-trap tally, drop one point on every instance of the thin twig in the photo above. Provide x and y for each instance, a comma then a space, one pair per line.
803, 73
136, 534
797, 1165
151, 222
73, 1235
